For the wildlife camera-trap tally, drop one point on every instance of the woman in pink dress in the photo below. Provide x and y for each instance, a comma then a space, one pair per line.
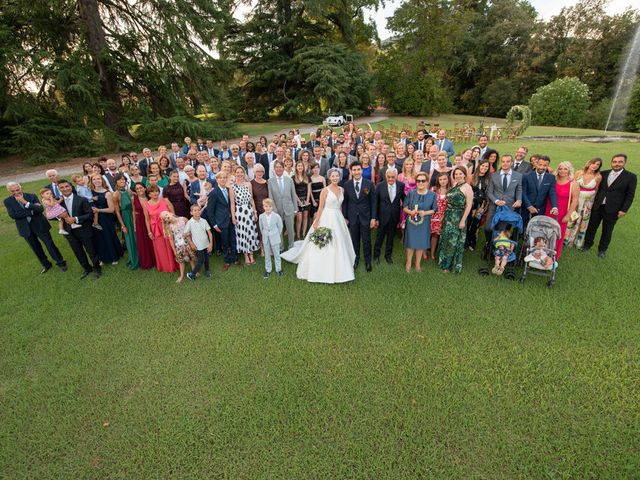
145, 245
568, 193
408, 177
165, 260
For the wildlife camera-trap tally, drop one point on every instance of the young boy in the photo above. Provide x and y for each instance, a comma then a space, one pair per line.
271, 229
198, 233
539, 254
84, 191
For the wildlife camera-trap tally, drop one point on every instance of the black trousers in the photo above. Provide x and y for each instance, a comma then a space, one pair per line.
229, 248
217, 240
361, 233
81, 242
45, 237
473, 223
202, 258
387, 231
608, 221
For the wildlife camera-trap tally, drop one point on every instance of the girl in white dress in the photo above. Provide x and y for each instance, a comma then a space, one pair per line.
334, 262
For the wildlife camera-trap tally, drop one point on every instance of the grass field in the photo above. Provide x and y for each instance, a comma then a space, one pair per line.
391, 376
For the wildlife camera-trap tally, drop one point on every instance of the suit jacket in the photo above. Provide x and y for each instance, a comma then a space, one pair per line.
513, 192
173, 156
446, 145
524, 167
311, 144
212, 153
271, 234
143, 165
415, 144
234, 163
29, 219
80, 209
286, 201
263, 159
218, 211
619, 196
534, 195
359, 210
201, 147
324, 165
194, 190
388, 211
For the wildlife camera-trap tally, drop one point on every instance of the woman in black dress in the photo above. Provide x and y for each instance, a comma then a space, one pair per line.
301, 184
174, 192
316, 183
106, 240
479, 185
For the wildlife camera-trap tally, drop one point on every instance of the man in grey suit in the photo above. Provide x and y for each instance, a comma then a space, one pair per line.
520, 165
283, 193
320, 159
505, 188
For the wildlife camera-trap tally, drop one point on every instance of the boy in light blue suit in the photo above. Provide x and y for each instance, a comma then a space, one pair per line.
271, 229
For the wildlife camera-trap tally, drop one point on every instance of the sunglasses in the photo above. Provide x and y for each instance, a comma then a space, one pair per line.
421, 181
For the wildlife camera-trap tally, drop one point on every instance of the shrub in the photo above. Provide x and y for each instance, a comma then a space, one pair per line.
562, 103
169, 129
632, 121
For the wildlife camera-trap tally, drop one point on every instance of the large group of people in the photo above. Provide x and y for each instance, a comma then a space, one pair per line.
184, 204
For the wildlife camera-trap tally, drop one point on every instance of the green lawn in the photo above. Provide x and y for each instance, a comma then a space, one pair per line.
392, 376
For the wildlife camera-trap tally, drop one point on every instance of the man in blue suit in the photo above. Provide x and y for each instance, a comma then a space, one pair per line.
218, 214
32, 225
538, 187
444, 144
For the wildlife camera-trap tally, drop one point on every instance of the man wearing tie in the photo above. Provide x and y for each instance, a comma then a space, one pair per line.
612, 202
176, 152
218, 214
505, 189
444, 144
321, 161
404, 139
53, 177
283, 193
538, 188
420, 143
389, 197
211, 152
32, 225
145, 162
78, 225
520, 165
236, 159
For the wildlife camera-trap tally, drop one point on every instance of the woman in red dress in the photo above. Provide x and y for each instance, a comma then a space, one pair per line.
165, 259
145, 247
568, 193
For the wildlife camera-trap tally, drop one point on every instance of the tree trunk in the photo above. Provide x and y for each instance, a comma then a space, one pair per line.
96, 40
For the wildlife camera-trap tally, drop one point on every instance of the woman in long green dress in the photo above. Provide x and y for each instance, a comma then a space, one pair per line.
452, 238
124, 212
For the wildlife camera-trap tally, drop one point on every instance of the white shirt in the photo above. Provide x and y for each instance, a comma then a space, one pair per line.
392, 191
198, 230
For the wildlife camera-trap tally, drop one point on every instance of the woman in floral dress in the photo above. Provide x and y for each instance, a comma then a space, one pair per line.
588, 179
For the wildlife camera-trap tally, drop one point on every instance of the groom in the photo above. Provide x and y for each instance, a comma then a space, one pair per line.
359, 208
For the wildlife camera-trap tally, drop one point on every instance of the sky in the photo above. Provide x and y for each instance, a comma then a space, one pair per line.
545, 8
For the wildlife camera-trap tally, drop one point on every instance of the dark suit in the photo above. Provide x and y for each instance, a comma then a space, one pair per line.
388, 217
143, 165
359, 210
416, 144
263, 159
218, 214
524, 167
536, 194
81, 239
234, 163
609, 200
34, 227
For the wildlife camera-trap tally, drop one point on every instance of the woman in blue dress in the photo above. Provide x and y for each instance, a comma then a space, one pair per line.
419, 205
108, 245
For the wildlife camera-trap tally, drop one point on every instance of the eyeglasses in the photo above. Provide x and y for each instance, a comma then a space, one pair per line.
421, 181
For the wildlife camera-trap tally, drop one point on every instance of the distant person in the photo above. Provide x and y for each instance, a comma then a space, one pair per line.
27, 212
613, 200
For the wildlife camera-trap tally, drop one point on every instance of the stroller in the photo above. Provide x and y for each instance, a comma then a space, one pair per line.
541, 259
504, 218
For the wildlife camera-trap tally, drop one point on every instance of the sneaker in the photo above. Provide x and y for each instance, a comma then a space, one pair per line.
280, 273
266, 275
191, 276
207, 274
62, 231
97, 226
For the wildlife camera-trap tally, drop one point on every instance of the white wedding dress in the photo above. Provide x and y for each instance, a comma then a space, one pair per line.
332, 263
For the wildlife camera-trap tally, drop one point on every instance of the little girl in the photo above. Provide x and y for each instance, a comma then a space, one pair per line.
174, 229
53, 210
503, 247
441, 189
539, 253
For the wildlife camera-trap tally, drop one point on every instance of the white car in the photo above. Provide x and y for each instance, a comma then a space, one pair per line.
338, 119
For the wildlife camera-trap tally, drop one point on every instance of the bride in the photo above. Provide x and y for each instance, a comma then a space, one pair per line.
334, 262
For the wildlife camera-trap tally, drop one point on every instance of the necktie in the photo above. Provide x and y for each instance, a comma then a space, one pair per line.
56, 192
540, 175
392, 195
358, 189
281, 183
226, 194
504, 182
517, 166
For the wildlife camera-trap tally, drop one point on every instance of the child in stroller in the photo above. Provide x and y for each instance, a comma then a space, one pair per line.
539, 254
503, 249
542, 233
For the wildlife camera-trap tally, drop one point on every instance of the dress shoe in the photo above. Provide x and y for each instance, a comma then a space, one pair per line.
225, 267
98, 273
368, 267
584, 249
84, 274
389, 261
63, 267
45, 269
376, 260
601, 254
355, 265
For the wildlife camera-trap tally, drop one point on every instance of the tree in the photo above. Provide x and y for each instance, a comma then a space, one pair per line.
562, 103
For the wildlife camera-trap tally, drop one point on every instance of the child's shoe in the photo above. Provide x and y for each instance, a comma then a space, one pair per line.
62, 231
97, 226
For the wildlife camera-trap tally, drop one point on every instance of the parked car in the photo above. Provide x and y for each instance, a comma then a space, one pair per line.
338, 119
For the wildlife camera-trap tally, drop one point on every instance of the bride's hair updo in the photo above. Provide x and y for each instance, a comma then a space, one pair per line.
331, 170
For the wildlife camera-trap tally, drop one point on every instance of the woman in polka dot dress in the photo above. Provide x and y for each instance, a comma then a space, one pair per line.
244, 217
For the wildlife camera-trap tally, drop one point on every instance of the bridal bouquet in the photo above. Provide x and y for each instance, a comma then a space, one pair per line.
321, 237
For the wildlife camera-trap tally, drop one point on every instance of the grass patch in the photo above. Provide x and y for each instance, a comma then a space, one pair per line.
392, 376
